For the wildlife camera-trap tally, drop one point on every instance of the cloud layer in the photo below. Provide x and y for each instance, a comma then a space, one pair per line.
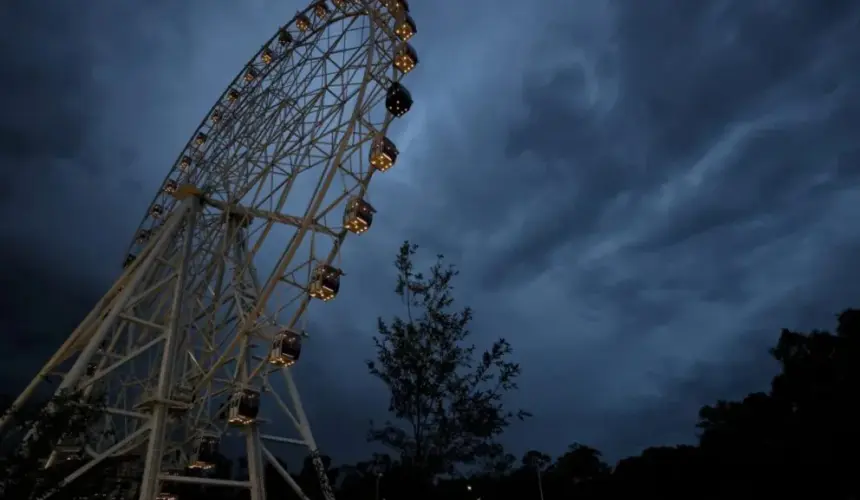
639, 196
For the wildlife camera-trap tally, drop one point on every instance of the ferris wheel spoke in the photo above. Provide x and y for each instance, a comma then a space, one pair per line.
292, 150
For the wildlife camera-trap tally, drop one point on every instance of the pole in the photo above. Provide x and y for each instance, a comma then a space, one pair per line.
540, 483
378, 477
159, 420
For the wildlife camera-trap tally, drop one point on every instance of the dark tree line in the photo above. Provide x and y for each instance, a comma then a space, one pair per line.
797, 439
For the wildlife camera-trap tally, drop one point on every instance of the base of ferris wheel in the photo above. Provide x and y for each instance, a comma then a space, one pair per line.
147, 459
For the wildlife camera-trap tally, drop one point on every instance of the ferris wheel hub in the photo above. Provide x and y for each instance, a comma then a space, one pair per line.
186, 191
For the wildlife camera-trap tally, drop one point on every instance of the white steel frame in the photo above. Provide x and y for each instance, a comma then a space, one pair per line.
189, 321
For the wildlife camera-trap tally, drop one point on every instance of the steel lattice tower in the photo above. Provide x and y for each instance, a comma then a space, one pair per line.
195, 340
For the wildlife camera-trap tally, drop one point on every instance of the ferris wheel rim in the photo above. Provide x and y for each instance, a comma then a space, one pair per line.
365, 9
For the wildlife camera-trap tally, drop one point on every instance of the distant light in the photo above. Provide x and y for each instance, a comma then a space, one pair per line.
469, 487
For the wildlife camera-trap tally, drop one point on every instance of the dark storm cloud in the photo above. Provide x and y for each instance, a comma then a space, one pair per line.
68, 159
703, 90
735, 207
665, 187
668, 416
639, 194
47, 113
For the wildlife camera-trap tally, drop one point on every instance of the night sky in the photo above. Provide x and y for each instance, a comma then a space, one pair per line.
639, 194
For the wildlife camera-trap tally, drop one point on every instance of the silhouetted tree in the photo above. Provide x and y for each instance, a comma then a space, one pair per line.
803, 429
276, 485
661, 472
447, 405
497, 463
364, 479
576, 472
581, 463
537, 462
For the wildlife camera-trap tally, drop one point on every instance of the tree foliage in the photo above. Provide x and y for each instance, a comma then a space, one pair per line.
536, 460
446, 399
57, 425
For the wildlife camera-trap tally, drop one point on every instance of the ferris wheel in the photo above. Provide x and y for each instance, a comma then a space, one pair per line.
194, 343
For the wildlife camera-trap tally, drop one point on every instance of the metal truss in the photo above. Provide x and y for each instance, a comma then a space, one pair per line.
194, 343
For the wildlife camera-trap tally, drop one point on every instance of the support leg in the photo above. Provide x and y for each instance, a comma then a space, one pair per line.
155, 451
